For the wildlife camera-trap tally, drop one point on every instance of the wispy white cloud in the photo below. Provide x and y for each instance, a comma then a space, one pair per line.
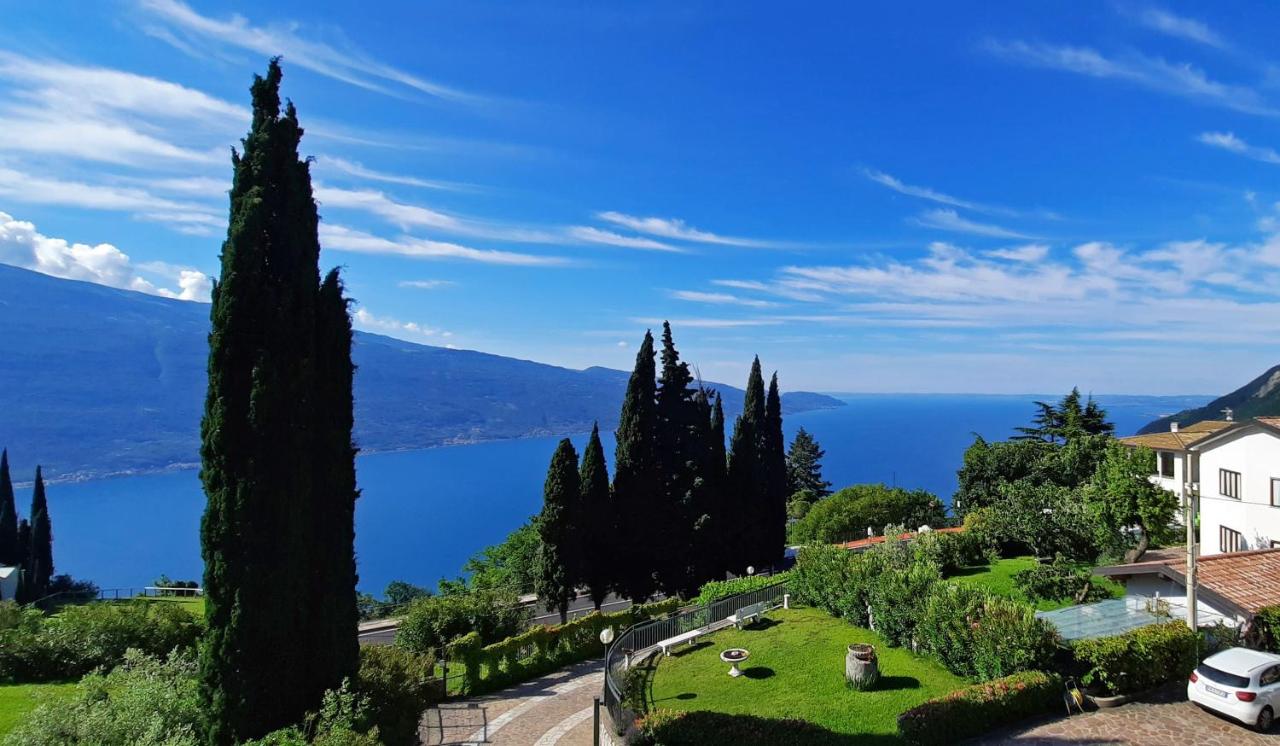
1228, 141
1181, 27
1034, 252
342, 238
352, 168
676, 229
596, 235
426, 284
932, 195
185, 217
347, 63
23, 246
950, 220
728, 299
709, 323
1154, 73
409, 330
405, 216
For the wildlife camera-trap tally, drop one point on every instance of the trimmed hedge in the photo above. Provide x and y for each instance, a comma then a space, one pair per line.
718, 589
703, 728
544, 648
1139, 659
976, 709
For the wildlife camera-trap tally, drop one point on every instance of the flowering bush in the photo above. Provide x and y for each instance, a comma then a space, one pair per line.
979, 708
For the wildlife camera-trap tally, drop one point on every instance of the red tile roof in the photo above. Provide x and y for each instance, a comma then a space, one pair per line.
1247, 580
873, 540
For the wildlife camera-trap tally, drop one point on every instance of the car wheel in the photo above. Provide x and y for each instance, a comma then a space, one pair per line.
1265, 719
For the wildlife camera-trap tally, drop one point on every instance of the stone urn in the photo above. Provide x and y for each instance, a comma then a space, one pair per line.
861, 668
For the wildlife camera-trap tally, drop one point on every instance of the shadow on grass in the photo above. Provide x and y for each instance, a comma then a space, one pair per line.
763, 624
894, 683
690, 649
762, 672
701, 728
971, 570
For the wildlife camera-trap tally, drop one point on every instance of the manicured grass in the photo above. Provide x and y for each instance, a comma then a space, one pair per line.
796, 670
998, 579
194, 604
16, 700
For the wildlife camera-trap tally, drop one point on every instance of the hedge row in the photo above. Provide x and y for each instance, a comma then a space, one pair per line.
1139, 659
976, 709
718, 589
544, 648
702, 728
900, 594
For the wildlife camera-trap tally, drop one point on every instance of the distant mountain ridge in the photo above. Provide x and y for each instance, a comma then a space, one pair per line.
1257, 398
97, 381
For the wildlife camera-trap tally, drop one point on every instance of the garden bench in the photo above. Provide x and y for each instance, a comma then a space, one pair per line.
690, 637
747, 614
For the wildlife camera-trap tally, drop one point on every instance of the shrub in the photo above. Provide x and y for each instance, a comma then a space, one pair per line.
897, 599
82, 638
976, 709
1264, 632
950, 551
718, 589
1059, 579
399, 686
144, 700
702, 728
433, 622
847, 514
343, 720
1138, 659
976, 634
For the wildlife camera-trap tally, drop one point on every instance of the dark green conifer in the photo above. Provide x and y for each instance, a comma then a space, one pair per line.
680, 445
773, 458
276, 449
745, 480
636, 481
9, 556
595, 531
720, 496
555, 578
804, 467
39, 565
24, 552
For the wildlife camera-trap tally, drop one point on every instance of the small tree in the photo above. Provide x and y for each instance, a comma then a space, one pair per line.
557, 570
9, 555
39, 567
804, 467
1122, 496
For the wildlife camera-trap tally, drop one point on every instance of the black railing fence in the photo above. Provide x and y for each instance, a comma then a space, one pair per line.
640, 640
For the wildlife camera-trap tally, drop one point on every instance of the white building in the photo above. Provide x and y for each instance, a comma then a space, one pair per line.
1234, 468
1230, 588
9, 583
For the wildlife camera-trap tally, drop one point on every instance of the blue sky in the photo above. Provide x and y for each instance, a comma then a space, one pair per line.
1008, 198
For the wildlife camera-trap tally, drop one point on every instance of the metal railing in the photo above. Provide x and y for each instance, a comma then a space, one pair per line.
639, 641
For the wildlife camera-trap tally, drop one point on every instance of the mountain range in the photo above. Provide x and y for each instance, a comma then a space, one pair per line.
96, 381
1257, 398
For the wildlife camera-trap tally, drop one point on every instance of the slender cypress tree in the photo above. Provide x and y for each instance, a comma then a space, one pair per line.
276, 448
636, 480
704, 544
595, 530
721, 511
24, 552
746, 478
9, 556
680, 458
773, 459
40, 552
556, 572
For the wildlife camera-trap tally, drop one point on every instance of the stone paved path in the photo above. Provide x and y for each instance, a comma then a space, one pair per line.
1165, 719
555, 710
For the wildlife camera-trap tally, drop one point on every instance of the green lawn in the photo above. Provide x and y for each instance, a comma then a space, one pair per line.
194, 604
16, 700
998, 579
796, 670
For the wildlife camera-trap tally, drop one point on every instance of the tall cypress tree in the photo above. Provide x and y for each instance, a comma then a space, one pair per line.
705, 541
679, 446
636, 481
596, 528
746, 478
557, 572
773, 457
275, 448
39, 564
9, 556
24, 552
720, 509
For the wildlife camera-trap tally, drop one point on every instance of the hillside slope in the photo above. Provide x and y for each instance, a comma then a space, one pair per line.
97, 381
1257, 398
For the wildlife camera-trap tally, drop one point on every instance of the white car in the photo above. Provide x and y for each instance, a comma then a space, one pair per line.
1240, 683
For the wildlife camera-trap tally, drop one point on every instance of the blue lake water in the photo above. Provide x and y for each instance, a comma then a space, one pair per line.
423, 513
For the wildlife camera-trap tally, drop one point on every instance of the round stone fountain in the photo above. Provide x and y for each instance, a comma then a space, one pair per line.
734, 656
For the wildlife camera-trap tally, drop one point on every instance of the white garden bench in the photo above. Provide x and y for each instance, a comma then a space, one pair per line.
690, 637
747, 614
